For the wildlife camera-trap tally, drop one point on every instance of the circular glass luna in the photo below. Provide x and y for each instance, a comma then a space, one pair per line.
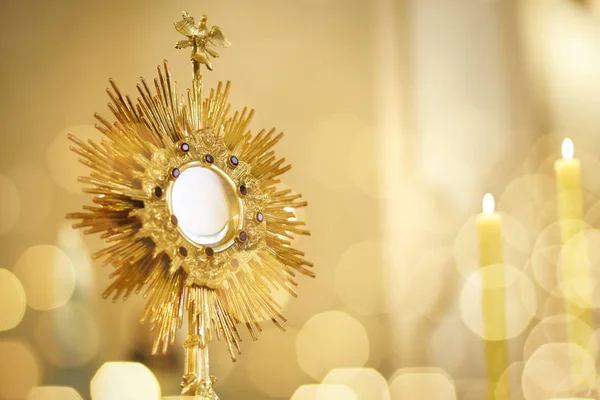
206, 206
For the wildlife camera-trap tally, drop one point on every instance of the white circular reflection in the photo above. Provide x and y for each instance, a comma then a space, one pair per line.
202, 202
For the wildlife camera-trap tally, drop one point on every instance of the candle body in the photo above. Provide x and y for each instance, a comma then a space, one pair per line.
570, 201
574, 268
493, 298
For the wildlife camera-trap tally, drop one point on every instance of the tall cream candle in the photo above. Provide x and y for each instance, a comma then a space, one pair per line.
493, 297
574, 263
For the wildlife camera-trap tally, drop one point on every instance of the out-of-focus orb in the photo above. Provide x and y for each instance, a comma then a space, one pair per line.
47, 275
367, 383
519, 294
330, 340
124, 380
12, 300
359, 279
509, 384
422, 385
35, 197
558, 370
555, 329
272, 367
64, 165
53, 393
68, 336
324, 392
578, 279
11, 205
19, 370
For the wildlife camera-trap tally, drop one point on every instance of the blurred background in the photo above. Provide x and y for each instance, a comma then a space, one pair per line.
399, 115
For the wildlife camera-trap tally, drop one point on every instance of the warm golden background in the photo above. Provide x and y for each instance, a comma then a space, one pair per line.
399, 115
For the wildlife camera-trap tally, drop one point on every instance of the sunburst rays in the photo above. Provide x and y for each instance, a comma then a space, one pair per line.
130, 172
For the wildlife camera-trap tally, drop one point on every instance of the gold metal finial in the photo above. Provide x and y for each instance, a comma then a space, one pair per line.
200, 38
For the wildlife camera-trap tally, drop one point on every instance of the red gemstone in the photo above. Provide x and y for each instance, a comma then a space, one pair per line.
209, 251
209, 159
158, 191
243, 190
174, 220
233, 160
183, 251
243, 236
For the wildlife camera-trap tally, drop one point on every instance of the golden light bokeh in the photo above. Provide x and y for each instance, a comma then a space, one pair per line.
35, 195
63, 164
124, 380
509, 384
521, 300
422, 384
47, 275
554, 329
366, 383
331, 340
324, 392
12, 300
583, 252
53, 393
20, 370
11, 205
548, 374
523, 197
271, 366
68, 336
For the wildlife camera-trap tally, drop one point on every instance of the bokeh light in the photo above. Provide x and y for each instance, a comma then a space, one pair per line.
521, 301
324, 392
578, 280
558, 370
12, 300
68, 336
20, 370
124, 380
554, 329
53, 393
366, 383
11, 204
330, 340
509, 384
47, 275
272, 365
422, 384
35, 195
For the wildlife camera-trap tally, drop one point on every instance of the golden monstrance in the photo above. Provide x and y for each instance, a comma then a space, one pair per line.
187, 200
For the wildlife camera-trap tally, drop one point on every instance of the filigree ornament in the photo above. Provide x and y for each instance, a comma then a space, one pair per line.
134, 172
